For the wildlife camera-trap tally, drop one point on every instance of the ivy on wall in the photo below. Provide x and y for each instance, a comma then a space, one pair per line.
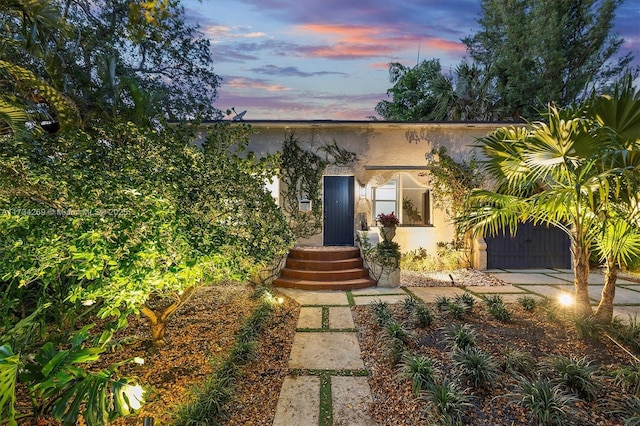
301, 174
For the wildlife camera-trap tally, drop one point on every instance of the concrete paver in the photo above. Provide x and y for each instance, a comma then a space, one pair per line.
529, 278
305, 297
549, 291
495, 289
340, 317
513, 297
429, 294
326, 351
373, 291
366, 300
351, 398
310, 317
299, 402
623, 295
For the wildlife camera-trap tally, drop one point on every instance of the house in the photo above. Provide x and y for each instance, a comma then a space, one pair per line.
389, 174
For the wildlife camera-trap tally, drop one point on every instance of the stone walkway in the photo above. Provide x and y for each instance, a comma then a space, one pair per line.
326, 366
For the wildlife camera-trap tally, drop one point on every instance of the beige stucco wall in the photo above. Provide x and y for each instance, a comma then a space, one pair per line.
383, 150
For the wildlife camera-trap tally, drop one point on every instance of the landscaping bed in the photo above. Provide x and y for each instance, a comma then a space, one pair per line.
496, 400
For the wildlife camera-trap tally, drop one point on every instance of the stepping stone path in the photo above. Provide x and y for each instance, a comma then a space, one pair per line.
325, 363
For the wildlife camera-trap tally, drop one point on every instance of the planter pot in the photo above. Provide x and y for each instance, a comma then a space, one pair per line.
388, 232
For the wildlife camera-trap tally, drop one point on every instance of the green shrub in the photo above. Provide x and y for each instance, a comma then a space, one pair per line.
423, 316
587, 326
629, 378
442, 303
494, 299
457, 310
477, 366
446, 403
466, 299
381, 311
517, 362
576, 375
500, 312
395, 330
548, 404
460, 337
629, 332
420, 370
410, 304
528, 303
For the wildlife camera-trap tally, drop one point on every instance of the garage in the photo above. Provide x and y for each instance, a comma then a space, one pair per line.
533, 246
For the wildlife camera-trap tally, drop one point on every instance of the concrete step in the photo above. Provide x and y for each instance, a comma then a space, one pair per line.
324, 268
324, 285
343, 275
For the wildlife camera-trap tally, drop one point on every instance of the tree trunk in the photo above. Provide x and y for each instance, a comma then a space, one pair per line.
604, 312
159, 320
581, 280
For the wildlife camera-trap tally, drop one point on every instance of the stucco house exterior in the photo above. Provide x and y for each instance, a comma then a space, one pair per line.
389, 174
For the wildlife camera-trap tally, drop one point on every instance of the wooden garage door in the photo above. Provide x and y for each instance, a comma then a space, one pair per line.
532, 247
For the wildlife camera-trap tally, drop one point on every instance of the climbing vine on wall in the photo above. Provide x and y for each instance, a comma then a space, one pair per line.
301, 174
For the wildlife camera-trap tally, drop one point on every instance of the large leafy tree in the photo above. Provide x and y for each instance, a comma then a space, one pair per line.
113, 58
426, 93
578, 171
541, 51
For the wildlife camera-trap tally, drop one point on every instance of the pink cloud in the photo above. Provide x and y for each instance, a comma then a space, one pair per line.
356, 41
253, 83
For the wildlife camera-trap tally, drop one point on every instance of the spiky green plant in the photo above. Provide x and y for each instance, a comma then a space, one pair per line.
460, 336
548, 404
446, 402
629, 378
632, 411
423, 316
410, 304
493, 299
395, 350
517, 362
476, 365
500, 312
628, 332
381, 311
420, 370
577, 375
442, 302
457, 310
528, 303
587, 326
466, 299
395, 330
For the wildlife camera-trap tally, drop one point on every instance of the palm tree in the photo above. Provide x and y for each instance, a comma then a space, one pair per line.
619, 241
568, 172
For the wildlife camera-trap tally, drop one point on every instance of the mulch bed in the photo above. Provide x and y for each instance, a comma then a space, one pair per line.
395, 403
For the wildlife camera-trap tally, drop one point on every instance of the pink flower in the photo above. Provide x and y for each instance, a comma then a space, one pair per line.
387, 220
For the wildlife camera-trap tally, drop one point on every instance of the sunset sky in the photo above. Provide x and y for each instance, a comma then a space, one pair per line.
328, 59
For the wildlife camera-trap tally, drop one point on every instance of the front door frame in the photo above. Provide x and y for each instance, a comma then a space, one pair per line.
339, 210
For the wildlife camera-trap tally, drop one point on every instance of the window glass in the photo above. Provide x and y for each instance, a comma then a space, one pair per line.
410, 200
273, 187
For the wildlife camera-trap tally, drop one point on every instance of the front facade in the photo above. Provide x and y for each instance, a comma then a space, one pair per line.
390, 174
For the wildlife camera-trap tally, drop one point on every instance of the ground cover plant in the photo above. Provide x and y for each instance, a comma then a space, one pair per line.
485, 369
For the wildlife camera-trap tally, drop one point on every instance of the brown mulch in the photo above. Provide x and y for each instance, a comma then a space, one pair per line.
395, 403
202, 333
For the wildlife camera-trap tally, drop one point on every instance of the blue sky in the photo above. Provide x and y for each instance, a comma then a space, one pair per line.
328, 59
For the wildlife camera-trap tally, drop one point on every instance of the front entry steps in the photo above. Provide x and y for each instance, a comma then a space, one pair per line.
324, 268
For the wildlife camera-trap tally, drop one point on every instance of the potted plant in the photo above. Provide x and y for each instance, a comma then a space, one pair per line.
388, 223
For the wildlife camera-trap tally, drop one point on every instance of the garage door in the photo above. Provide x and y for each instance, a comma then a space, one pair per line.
532, 247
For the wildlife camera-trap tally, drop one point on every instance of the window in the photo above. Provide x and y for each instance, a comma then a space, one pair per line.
408, 199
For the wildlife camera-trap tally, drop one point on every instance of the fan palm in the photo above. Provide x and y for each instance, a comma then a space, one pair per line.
569, 172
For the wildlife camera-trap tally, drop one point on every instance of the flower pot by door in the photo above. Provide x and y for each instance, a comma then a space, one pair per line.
388, 232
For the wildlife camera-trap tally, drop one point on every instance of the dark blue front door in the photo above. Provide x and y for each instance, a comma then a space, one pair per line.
338, 210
